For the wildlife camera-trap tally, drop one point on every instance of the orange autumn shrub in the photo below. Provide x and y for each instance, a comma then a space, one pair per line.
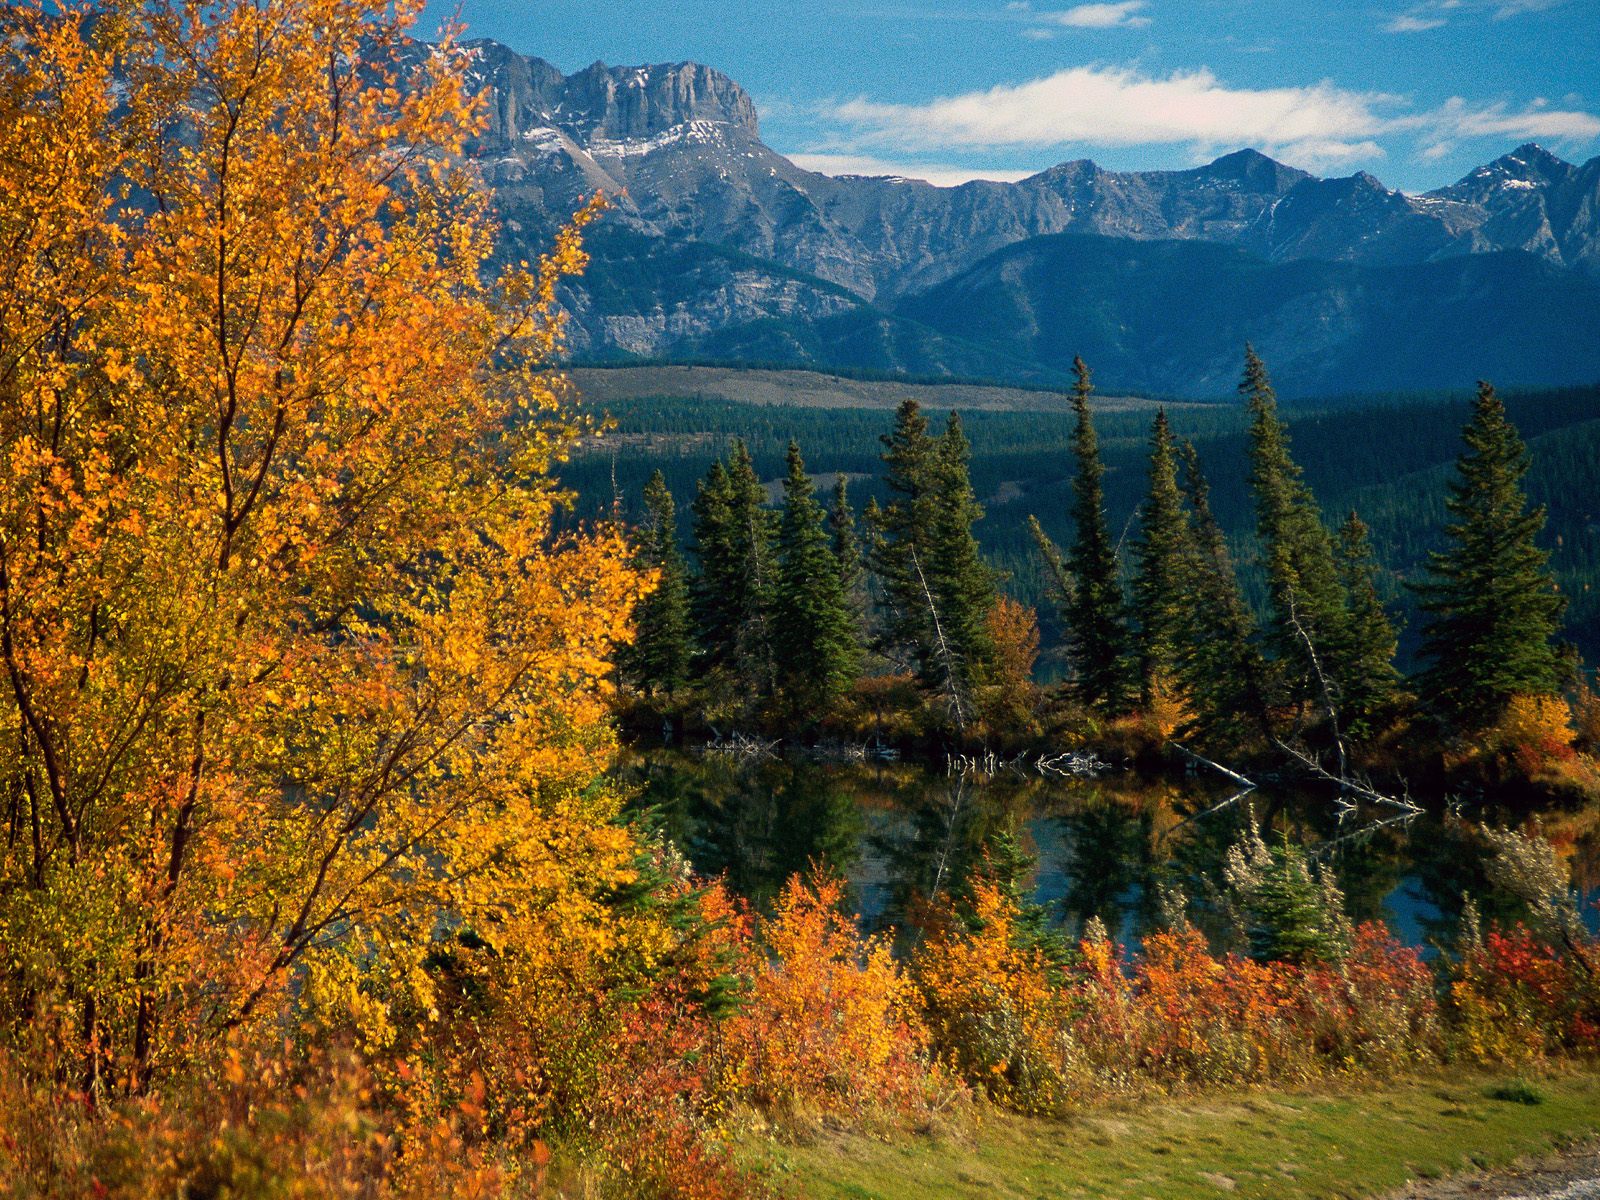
1104, 1014
831, 1024
1516, 998
1204, 1019
1376, 1009
268, 1123
620, 1060
1038, 1035
656, 1117
995, 1005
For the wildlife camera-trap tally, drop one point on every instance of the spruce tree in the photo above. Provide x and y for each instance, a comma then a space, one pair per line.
1096, 618
1310, 624
712, 594
753, 529
1220, 667
658, 660
733, 594
901, 534
1164, 554
1372, 677
936, 590
814, 631
847, 551
1492, 609
963, 583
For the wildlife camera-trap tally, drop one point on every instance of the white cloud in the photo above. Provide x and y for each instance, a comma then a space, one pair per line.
1117, 106
1430, 14
1100, 16
938, 174
1515, 8
1319, 126
1457, 121
1409, 23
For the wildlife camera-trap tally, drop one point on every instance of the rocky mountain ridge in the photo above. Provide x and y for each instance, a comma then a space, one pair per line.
779, 248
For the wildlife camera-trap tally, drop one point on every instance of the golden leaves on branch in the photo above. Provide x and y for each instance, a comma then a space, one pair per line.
293, 665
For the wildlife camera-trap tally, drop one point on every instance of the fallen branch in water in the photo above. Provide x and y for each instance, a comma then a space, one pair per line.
1350, 784
742, 745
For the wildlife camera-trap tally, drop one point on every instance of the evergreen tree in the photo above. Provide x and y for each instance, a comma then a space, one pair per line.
1310, 624
712, 593
936, 591
902, 533
847, 551
1219, 666
1372, 679
1284, 913
1493, 611
814, 632
1096, 618
658, 660
1164, 552
963, 583
734, 592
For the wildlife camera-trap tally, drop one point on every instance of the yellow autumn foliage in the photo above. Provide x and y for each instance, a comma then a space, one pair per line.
297, 673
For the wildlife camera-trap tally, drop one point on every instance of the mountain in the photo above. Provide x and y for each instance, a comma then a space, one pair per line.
719, 247
1324, 327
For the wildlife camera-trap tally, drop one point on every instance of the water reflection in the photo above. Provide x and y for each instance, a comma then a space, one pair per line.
1107, 848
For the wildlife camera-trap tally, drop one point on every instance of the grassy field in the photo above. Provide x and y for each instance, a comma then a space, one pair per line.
813, 389
1273, 1145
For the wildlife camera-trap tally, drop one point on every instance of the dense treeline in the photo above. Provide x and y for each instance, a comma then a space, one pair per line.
1160, 635
1352, 458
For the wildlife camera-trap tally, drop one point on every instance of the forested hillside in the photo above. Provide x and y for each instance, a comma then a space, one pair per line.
1387, 456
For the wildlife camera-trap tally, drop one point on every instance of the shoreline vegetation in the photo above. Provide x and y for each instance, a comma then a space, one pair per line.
910, 644
316, 880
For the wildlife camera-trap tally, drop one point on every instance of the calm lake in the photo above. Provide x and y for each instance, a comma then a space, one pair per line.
1105, 846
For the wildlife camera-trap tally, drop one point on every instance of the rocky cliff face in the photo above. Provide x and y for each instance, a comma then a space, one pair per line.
1531, 200
600, 103
678, 148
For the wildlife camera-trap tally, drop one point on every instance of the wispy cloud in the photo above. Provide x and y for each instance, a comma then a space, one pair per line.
1431, 14
1123, 15
938, 174
1318, 126
1456, 121
1506, 9
1408, 23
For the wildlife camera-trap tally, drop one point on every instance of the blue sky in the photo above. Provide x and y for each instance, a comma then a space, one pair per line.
1415, 91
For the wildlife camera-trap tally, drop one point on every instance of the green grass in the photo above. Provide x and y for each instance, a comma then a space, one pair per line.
1352, 1142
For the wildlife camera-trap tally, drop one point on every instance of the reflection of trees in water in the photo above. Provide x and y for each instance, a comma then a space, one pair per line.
755, 823
1102, 849
1188, 854
1107, 861
1369, 858
1449, 861
945, 831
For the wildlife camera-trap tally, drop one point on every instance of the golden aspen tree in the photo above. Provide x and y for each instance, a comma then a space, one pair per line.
296, 673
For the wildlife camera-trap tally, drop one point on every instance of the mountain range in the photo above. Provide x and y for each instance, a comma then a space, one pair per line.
720, 249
